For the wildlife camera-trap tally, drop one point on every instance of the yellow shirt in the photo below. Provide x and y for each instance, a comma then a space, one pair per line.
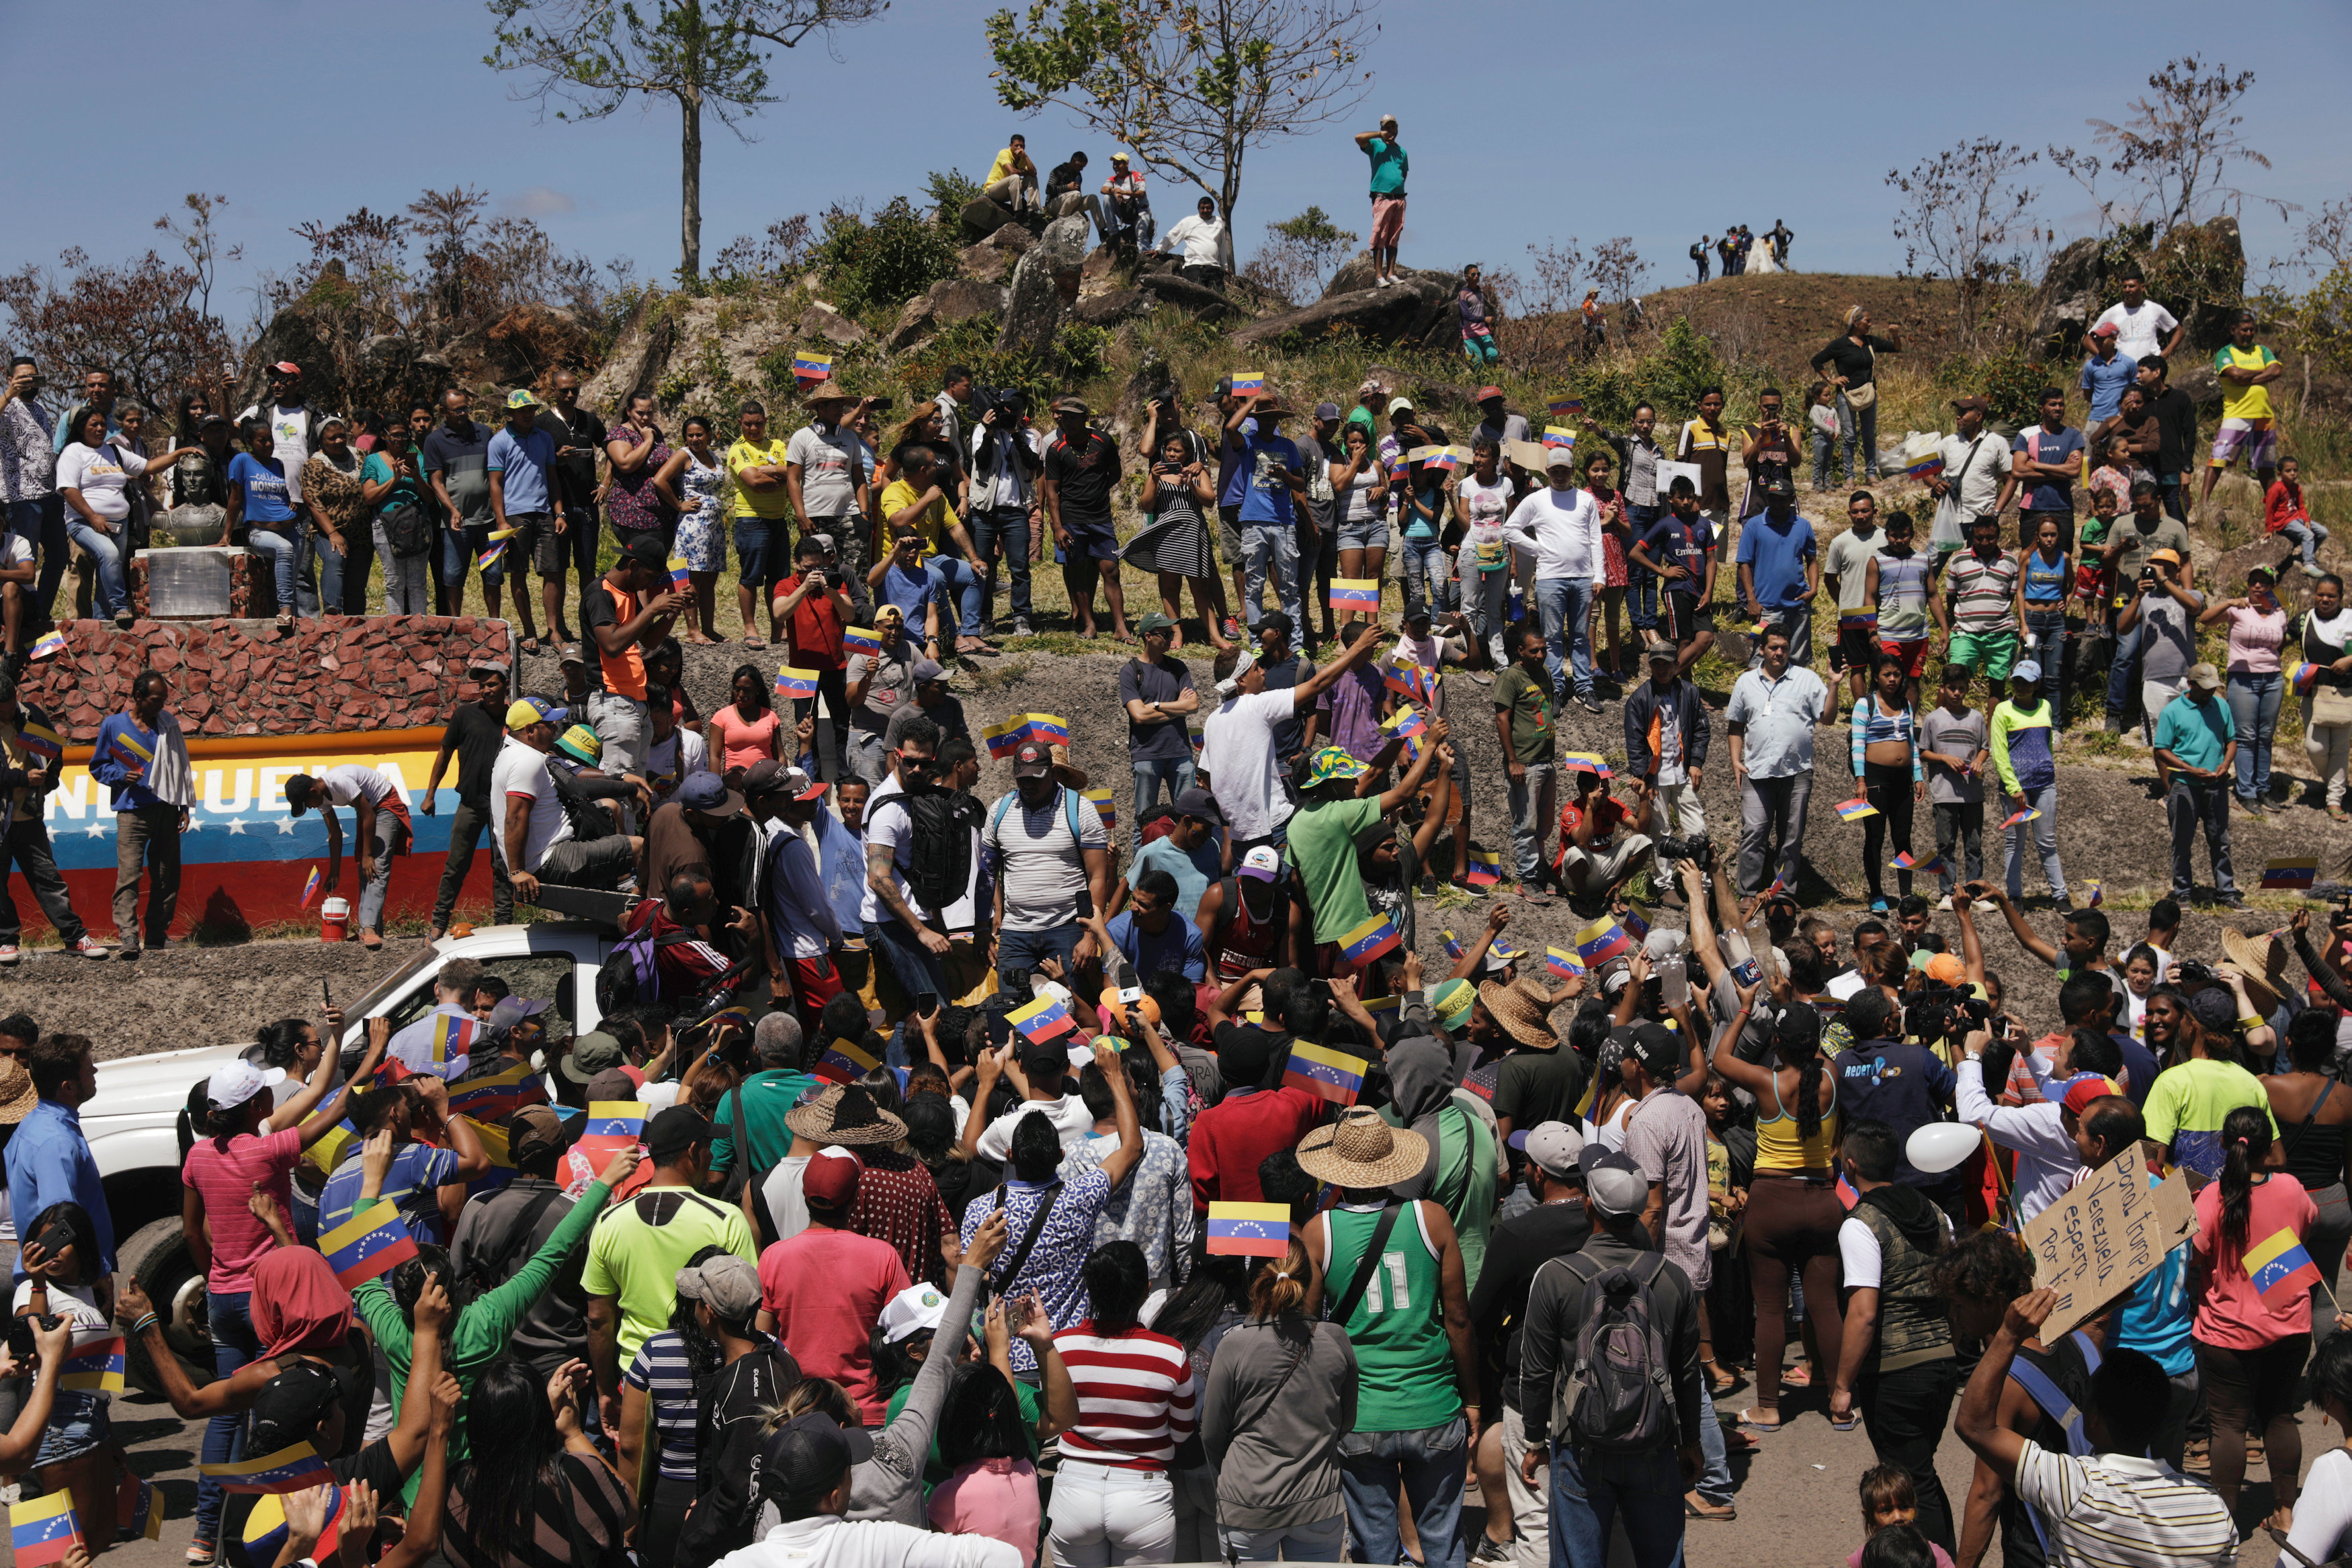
936, 519
2239, 401
750, 503
1001, 169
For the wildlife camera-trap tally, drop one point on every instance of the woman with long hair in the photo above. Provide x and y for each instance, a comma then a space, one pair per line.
1792, 1212
693, 483
1363, 506
2315, 1138
2257, 685
94, 476
1173, 543
1113, 1501
1889, 769
2254, 1230
76, 1447
992, 1483
1281, 1392
747, 730
541, 1496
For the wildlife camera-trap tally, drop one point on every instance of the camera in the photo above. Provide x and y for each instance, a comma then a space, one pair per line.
1938, 1012
2195, 973
1009, 404
1694, 849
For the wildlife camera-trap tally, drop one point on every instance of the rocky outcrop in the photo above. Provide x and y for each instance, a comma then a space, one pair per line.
1044, 285
1416, 311
2197, 271
981, 217
822, 322
1193, 299
1112, 307
949, 300
302, 336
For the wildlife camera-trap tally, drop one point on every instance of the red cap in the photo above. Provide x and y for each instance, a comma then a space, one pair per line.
831, 1180
1485, 392
288, 366
2090, 1086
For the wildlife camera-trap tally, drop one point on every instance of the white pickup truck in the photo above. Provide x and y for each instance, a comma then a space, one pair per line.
133, 1124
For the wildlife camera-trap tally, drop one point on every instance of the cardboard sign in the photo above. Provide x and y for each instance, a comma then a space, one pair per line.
2103, 1238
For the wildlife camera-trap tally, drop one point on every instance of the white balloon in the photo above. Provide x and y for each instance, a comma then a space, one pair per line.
1940, 1145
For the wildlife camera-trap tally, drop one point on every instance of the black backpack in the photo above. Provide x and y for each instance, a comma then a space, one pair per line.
938, 864
1622, 1403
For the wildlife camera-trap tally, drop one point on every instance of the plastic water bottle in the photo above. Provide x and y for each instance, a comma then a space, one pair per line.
1745, 971
1674, 982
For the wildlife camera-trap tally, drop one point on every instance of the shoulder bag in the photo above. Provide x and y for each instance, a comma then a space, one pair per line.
1864, 396
1345, 1308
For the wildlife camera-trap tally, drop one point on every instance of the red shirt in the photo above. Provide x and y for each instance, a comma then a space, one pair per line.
1611, 813
1231, 1137
814, 630
2282, 505
826, 1288
226, 1183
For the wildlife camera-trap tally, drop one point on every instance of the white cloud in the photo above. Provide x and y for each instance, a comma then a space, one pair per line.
538, 202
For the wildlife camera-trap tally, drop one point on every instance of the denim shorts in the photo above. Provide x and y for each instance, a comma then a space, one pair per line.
79, 1423
1364, 533
755, 539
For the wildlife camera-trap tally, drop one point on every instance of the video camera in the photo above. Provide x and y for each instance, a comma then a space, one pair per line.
1938, 1012
1011, 403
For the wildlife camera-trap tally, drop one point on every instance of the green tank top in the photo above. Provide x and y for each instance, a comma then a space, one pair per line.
1404, 1363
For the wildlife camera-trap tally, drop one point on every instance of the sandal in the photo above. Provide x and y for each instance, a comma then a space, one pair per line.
1715, 1513
370, 940
1754, 1427
531, 644
753, 642
1797, 1376
1720, 1381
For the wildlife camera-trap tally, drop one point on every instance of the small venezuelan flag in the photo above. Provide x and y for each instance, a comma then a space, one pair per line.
1602, 940
1484, 870
1855, 809
1404, 723
95, 1364
42, 741
133, 751
265, 1530
810, 367
1449, 459
2019, 821
1584, 761
1860, 621
139, 1510
372, 1242
1453, 948
623, 1119
1563, 963
293, 1468
1005, 737
1565, 407
1042, 1019
48, 645
499, 1095
310, 888
1559, 436
2303, 674
454, 1037
43, 1531
494, 535
1348, 593
1926, 468
1933, 865
2094, 895
844, 1060
1249, 1229
1369, 941
1412, 681
2298, 872
1106, 805
677, 573
328, 1151
489, 558
1320, 1070
1248, 382
795, 683
1051, 728
861, 640
2280, 1268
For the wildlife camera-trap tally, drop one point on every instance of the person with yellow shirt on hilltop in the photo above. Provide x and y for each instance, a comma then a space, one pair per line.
2249, 428
916, 503
763, 513
1013, 179
1709, 442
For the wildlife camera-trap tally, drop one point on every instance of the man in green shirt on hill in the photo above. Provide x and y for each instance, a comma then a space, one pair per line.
1389, 166
1524, 724
1334, 822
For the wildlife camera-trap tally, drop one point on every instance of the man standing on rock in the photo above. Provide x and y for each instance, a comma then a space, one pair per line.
141, 753
26, 776
1272, 471
579, 437
2246, 370
1389, 166
1081, 472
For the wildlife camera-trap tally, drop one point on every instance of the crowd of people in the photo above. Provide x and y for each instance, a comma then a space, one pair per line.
1737, 247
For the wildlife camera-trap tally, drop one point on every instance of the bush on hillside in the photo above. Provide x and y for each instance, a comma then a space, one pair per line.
875, 265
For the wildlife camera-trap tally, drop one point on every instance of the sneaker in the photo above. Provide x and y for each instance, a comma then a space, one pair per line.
2232, 900
1985, 907
8, 953
2115, 724
1490, 1550
1879, 906
1481, 678
1020, 627
90, 946
1943, 905
1586, 702
2310, 570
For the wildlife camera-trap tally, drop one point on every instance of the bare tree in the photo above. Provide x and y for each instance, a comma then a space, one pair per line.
2180, 140
1190, 87
1299, 254
705, 56
1618, 269
1965, 217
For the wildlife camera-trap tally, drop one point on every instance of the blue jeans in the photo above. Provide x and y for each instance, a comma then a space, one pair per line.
1824, 454
2308, 537
2044, 831
952, 575
332, 562
1428, 1463
1271, 547
105, 549
916, 966
2049, 629
1174, 774
1427, 576
234, 1345
1715, 1460
2254, 709
1017, 952
1590, 1492
460, 548
1565, 602
1641, 583
282, 551
1859, 427
2120, 667
1002, 532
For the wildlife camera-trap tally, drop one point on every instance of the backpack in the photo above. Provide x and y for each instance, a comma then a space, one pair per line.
627, 976
1622, 1403
1069, 815
939, 863
407, 530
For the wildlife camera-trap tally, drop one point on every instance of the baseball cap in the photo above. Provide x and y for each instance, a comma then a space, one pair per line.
927, 670
674, 1131
1559, 457
1118, 157
1450, 1003
1399, 405
612, 1083
727, 1284
1945, 971
1662, 649
807, 788
511, 1010
1198, 803
1485, 392
1076, 405
1966, 403
292, 1406
1557, 1147
810, 1454
239, 1081
766, 777
2205, 677
2105, 329
2087, 1087
708, 793
2214, 1007
288, 366
570, 653
888, 612
521, 398
1658, 1049
831, 1180
646, 551
2029, 671
593, 1054
1264, 862
1614, 1185
1033, 759
911, 1312
581, 744
1155, 621
2171, 557
533, 1128
1326, 411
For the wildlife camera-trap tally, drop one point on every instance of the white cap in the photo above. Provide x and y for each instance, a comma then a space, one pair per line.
911, 1312
238, 1081
1555, 1145
1264, 862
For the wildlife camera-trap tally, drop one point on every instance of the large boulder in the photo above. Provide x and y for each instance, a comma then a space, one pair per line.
1417, 310
1110, 308
982, 217
2070, 298
525, 344
2202, 273
302, 336
949, 300
1044, 285
1171, 288
985, 263
822, 320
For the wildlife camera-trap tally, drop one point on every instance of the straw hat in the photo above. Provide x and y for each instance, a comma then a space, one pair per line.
846, 1114
1521, 1013
17, 1096
1359, 1150
2263, 960
1072, 776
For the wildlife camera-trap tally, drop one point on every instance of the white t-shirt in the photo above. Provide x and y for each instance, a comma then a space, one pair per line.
1560, 531
344, 784
16, 550
1489, 504
2138, 333
2322, 1514
787, 1199
1237, 753
1071, 1119
1201, 244
827, 463
1858, 1250
101, 474
521, 772
896, 828
670, 763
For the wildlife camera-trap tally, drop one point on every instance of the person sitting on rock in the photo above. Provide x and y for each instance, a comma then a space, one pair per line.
1013, 179
1200, 244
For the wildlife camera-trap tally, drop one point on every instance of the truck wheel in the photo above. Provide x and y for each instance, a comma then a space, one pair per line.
157, 1258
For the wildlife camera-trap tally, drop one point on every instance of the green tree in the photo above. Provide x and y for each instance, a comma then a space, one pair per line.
1190, 89
1299, 254
708, 57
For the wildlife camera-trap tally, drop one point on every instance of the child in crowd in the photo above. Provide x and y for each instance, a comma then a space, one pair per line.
1889, 1502
1821, 411
2284, 513
2094, 582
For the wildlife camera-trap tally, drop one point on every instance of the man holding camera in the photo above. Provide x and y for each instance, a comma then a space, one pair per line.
1002, 463
2129, 549
2163, 613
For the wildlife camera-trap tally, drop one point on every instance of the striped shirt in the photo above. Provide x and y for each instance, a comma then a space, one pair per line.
1873, 724
1986, 604
2111, 1512
1135, 1397
666, 1373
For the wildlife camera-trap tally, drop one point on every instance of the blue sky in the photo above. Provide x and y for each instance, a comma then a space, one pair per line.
1686, 117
